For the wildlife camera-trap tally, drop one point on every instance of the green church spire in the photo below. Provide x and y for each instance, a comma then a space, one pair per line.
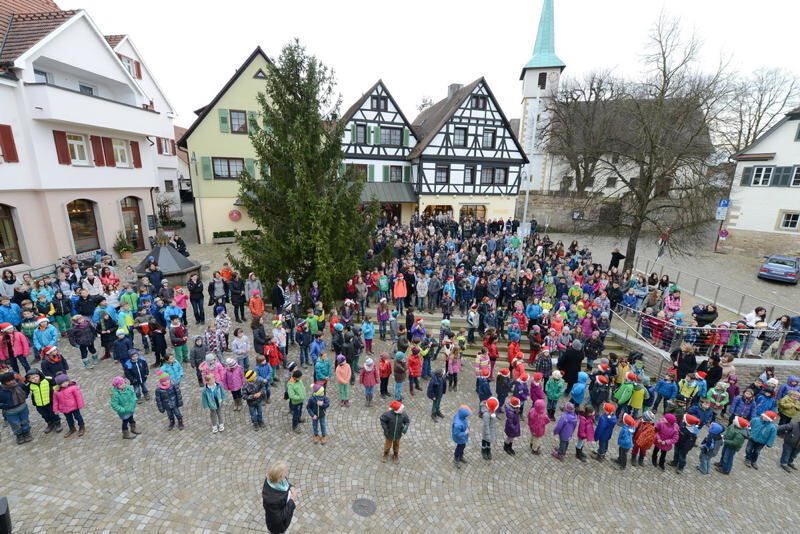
544, 50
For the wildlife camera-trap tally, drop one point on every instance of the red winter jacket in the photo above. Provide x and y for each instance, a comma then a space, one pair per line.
273, 354
19, 344
414, 366
385, 368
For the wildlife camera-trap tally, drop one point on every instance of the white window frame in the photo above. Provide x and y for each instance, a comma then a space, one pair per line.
129, 65
172, 185
764, 177
120, 148
795, 181
74, 145
38, 72
166, 147
786, 214
494, 138
89, 86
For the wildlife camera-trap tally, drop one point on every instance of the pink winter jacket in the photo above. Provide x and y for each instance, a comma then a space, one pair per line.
69, 399
585, 428
216, 370
667, 433
538, 419
19, 344
232, 378
369, 378
536, 392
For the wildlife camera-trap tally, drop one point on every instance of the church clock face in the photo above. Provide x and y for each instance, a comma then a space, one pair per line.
553, 76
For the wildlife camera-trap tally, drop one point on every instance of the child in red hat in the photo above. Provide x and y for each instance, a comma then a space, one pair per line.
488, 416
503, 385
625, 440
689, 428
762, 434
395, 423
512, 430
733, 439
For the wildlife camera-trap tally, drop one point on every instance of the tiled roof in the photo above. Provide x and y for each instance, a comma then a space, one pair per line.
9, 7
182, 153
26, 29
114, 40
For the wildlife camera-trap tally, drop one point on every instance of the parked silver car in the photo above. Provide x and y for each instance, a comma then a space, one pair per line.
781, 268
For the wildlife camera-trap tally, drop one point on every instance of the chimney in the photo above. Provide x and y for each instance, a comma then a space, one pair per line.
452, 88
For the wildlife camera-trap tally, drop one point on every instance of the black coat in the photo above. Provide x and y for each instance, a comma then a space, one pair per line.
259, 339
277, 297
684, 363
570, 362
236, 288
394, 424
195, 289
278, 508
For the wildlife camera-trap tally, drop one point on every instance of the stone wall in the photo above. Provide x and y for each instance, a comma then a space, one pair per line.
760, 243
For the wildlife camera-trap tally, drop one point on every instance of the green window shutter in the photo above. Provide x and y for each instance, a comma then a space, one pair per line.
342, 169
370, 133
352, 133
224, 126
405, 136
250, 166
747, 175
371, 173
265, 169
377, 140
205, 163
251, 118
385, 173
407, 174
781, 177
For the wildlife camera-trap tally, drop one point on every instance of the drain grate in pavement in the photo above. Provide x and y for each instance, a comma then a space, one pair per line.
364, 507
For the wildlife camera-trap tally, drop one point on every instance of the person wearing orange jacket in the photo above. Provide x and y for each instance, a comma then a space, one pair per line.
399, 292
256, 304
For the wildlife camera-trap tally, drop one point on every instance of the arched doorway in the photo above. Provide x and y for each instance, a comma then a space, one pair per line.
9, 245
132, 221
83, 223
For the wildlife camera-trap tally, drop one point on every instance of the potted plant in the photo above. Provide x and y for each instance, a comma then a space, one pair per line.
122, 246
223, 238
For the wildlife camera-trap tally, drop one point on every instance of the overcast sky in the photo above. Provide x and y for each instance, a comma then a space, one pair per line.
419, 47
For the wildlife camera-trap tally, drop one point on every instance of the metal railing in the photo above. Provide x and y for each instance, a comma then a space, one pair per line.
628, 330
708, 340
725, 297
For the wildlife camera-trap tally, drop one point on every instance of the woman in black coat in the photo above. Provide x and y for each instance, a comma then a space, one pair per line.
236, 288
684, 360
259, 334
570, 362
278, 497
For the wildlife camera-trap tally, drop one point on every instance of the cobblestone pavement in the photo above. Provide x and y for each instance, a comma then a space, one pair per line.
195, 481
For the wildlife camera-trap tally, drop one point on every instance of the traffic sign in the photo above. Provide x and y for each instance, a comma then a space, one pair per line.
721, 213
724, 233
724, 203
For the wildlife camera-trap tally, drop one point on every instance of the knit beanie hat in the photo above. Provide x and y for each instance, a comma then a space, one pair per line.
340, 358
122, 332
291, 366
715, 428
250, 376
400, 355
117, 381
318, 390
211, 358
555, 375
297, 374
60, 379
649, 416
369, 364
230, 363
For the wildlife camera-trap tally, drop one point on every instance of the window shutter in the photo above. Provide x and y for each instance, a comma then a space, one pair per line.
62, 148
137, 67
173, 147
136, 157
368, 133
781, 177
405, 137
223, 121
250, 166
158, 145
108, 150
407, 174
370, 173
205, 163
747, 175
251, 119
377, 135
7, 144
97, 150
353, 129
385, 173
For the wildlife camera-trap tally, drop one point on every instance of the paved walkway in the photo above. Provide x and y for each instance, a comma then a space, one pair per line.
194, 481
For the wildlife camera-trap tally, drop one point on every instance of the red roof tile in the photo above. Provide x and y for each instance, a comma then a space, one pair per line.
26, 29
114, 40
8, 7
182, 153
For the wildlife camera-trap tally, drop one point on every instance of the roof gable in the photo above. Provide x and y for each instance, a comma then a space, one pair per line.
114, 40
24, 30
204, 111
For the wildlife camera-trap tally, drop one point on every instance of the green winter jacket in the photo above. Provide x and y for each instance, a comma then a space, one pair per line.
123, 401
297, 391
624, 393
734, 437
554, 389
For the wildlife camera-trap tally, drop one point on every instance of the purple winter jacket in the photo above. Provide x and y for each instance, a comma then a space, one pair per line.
232, 378
512, 422
566, 424
741, 408
520, 391
667, 432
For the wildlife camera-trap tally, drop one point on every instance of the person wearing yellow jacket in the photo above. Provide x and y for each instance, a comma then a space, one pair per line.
41, 390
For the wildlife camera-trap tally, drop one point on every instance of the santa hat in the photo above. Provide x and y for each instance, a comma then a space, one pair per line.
769, 415
49, 349
400, 276
689, 419
6, 327
629, 420
492, 403
505, 371
631, 377
701, 374
602, 379
396, 406
514, 402
523, 377
603, 367
418, 320
485, 372
741, 422
608, 408
537, 377
42, 319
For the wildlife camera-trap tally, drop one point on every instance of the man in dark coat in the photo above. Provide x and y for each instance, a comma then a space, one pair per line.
570, 362
278, 296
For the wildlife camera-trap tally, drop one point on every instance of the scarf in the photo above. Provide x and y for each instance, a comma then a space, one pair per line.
282, 485
17, 394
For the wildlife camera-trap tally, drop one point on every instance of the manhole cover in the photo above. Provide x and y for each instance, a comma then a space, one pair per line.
364, 507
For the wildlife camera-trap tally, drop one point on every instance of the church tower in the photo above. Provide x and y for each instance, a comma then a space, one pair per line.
539, 83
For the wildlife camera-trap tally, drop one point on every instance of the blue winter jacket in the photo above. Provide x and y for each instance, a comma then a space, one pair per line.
316, 348
629, 301
705, 416
762, 431
533, 311
605, 427
11, 314
108, 309
794, 329
578, 393
120, 348
460, 426
792, 384
741, 408
483, 389
625, 437
43, 338
763, 404
667, 389
171, 311
368, 329
264, 372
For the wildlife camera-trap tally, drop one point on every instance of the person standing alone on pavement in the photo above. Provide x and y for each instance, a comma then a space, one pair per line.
279, 498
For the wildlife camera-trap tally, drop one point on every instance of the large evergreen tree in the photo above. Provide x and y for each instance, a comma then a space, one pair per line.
308, 212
